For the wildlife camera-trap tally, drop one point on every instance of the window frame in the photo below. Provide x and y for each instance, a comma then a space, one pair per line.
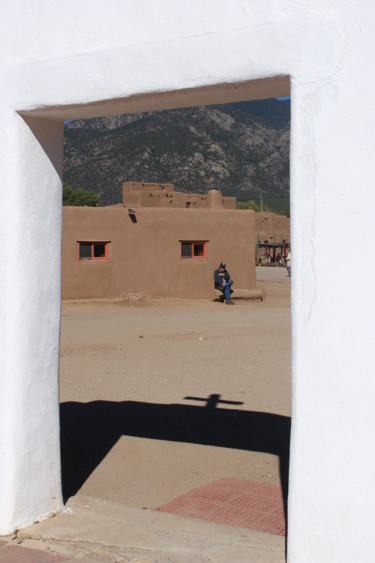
192, 257
94, 258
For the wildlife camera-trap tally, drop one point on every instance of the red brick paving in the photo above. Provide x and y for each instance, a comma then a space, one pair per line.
235, 502
16, 554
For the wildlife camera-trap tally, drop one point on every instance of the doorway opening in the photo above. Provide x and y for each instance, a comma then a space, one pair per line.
210, 417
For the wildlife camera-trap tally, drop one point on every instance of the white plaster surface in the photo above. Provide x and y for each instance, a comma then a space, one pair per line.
61, 60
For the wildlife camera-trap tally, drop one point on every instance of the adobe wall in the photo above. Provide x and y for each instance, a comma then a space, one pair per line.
272, 227
145, 256
143, 194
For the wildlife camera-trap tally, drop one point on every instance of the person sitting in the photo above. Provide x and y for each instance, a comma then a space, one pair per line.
223, 282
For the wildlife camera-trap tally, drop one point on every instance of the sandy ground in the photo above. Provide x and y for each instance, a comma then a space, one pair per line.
138, 426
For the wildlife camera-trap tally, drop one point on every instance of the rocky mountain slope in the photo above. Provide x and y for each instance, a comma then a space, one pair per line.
242, 149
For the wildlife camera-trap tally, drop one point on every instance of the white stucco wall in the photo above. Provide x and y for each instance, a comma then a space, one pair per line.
61, 60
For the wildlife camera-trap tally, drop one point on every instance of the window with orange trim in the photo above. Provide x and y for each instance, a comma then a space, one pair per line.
93, 251
193, 250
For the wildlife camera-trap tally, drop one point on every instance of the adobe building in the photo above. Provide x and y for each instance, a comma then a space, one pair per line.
158, 242
272, 236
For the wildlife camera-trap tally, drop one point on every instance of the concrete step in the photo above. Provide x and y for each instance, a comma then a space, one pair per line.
256, 294
94, 529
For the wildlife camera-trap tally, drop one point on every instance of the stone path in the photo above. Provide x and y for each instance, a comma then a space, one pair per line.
235, 502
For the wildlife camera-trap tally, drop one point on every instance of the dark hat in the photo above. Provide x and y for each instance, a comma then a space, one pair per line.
222, 265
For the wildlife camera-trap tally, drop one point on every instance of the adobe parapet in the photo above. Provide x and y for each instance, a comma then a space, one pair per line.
143, 194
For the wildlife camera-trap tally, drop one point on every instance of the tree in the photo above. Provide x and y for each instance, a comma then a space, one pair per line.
78, 196
250, 204
278, 205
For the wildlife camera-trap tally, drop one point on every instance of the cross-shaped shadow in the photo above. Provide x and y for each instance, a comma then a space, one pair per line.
212, 401
90, 430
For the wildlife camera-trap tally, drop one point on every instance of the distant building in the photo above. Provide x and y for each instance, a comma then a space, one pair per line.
272, 236
158, 242
142, 194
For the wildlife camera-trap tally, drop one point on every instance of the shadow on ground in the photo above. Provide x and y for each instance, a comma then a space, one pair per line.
90, 430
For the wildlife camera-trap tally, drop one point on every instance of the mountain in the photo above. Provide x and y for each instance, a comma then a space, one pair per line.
242, 149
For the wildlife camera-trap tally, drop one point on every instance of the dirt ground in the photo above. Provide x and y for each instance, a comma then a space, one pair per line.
162, 398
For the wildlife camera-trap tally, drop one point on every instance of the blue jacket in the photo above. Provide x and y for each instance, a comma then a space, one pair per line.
219, 279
